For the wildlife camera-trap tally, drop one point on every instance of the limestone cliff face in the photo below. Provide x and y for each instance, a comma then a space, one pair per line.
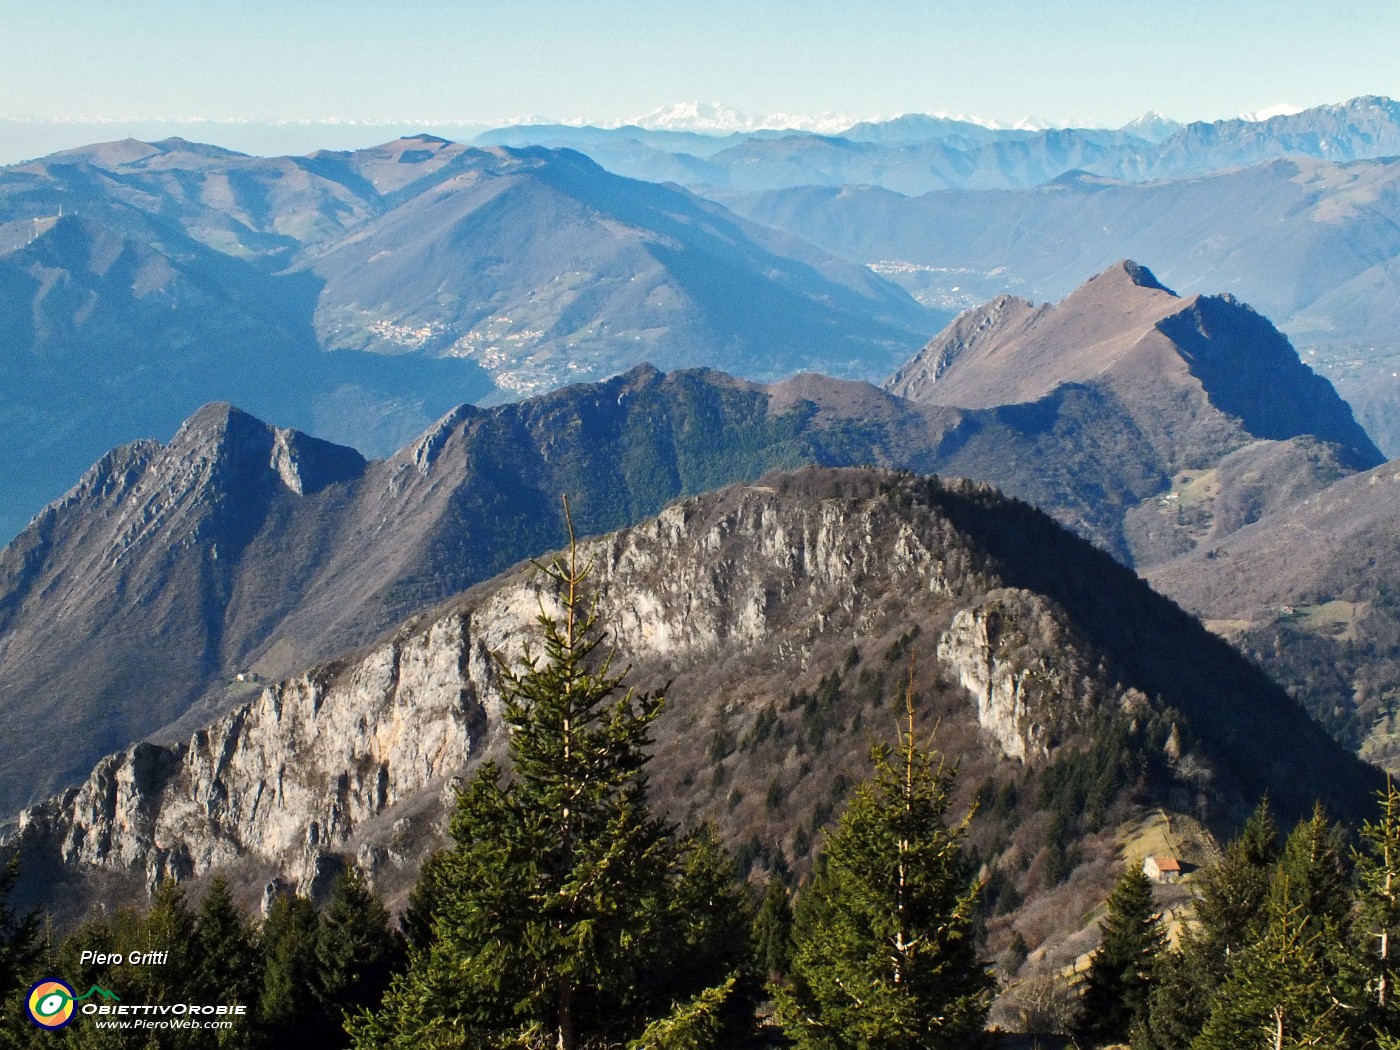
288, 776
735, 599
301, 770
1009, 651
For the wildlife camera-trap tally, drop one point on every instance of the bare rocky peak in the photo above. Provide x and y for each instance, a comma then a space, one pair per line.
136, 575
1009, 352
219, 469
1192, 372
221, 436
734, 598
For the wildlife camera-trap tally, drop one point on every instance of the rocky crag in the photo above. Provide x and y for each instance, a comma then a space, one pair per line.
784, 616
1199, 400
172, 580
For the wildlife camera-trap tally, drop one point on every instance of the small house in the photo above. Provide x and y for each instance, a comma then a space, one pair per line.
1162, 869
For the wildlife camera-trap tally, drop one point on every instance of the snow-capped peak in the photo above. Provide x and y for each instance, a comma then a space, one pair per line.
717, 118
1152, 126
1283, 109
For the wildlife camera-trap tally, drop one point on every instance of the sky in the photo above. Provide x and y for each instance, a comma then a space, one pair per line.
487, 62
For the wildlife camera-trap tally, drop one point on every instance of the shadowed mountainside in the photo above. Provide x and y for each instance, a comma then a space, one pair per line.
139, 281
208, 549
785, 616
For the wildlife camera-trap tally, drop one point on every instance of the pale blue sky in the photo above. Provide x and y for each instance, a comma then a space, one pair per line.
482, 60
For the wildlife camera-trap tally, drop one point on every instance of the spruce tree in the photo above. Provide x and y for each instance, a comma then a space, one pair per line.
1121, 970
773, 930
226, 960
1376, 930
564, 912
168, 926
1315, 863
289, 1005
1180, 998
356, 951
1283, 991
424, 900
227, 963
1296, 985
19, 935
1232, 894
884, 936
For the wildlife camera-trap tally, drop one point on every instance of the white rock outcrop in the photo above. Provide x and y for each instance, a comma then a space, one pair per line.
293, 775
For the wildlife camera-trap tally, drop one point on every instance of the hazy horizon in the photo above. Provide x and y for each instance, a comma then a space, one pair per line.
28, 138
368, 63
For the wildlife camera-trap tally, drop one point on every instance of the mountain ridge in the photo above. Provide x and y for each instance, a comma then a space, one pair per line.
920, 153
1126, 330
306, 549
179, 275
1038, 643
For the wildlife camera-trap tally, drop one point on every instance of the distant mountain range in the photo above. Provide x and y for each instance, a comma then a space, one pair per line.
917, 154
240, 548
1313, 245
958, 212
138, 281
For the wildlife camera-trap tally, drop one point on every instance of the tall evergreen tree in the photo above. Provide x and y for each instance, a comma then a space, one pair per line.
1180, 998
1232, 894
227, 964
424, 900
773, 930
356, 951
289, 1005
1314, 862
227, 961
1376, 930
884, 936
168, 926
1121, 970
1296, 985
560, 912
19, 935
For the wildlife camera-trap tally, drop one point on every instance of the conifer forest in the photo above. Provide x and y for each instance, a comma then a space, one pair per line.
565, 913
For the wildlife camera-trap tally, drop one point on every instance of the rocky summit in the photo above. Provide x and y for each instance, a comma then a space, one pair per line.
173, 580
1195, 385
786, 617
1169, 359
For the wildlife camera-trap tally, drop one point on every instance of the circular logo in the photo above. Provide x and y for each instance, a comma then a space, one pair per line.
50, 1003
